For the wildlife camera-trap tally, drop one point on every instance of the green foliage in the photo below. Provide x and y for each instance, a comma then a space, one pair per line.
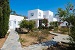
1, 11
54, 24
50, 27
61, 12
45, 22
42, 27
35, 29
68, 15
27, 24
72, 33
24, 24
31, 24
4, 17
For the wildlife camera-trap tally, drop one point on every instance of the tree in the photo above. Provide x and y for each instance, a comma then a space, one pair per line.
45, 22
31, 24
69, 16
27, 24
4, 16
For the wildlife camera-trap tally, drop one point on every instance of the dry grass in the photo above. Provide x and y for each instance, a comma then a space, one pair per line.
31, 38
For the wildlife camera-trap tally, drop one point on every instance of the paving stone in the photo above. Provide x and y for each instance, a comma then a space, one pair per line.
12, 42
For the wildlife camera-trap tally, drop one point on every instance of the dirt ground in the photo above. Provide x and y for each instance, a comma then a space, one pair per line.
32, 40
2, 40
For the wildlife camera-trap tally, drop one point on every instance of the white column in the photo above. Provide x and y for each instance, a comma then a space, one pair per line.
37, 23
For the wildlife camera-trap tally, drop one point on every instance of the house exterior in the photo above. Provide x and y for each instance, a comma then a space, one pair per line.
38, 14
14, 21
62, 23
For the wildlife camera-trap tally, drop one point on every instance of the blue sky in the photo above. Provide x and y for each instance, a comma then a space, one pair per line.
22, 6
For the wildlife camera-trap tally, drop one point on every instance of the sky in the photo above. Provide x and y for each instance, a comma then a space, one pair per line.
23, 6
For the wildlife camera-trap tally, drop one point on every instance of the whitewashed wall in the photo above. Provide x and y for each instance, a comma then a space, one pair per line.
64, 23
14, 21
36, 14
39, 14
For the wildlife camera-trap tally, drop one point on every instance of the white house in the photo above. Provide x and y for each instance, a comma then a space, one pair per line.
14, 21
62, 23
38, 14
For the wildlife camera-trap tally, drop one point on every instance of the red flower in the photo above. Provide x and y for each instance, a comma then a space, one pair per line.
70, 8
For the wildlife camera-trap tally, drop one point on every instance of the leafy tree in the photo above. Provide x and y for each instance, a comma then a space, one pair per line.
27, 24
4, 17
24, 24
68, 15
31, 24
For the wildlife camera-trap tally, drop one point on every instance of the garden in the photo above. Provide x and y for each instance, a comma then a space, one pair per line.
29, 35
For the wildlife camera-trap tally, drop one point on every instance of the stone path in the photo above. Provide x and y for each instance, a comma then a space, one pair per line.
34, 47
12, 42
60, 37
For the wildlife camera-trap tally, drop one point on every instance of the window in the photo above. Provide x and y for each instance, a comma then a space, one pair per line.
32, 14
66, 24
39, 14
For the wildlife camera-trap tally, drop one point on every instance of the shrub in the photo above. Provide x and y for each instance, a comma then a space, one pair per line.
35, 29
33, 34
50, 27
63, 30
41, 27
27, 24
56, 29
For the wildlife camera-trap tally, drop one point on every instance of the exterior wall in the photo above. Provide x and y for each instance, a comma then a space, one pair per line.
48, 15
35, 14
14, 21
39, 14
64, 23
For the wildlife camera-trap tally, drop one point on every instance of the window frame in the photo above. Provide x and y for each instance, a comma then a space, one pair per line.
32, 14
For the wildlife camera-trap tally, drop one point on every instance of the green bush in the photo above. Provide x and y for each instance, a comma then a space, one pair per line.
41, 27
27, 24
72, 33
50, 27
